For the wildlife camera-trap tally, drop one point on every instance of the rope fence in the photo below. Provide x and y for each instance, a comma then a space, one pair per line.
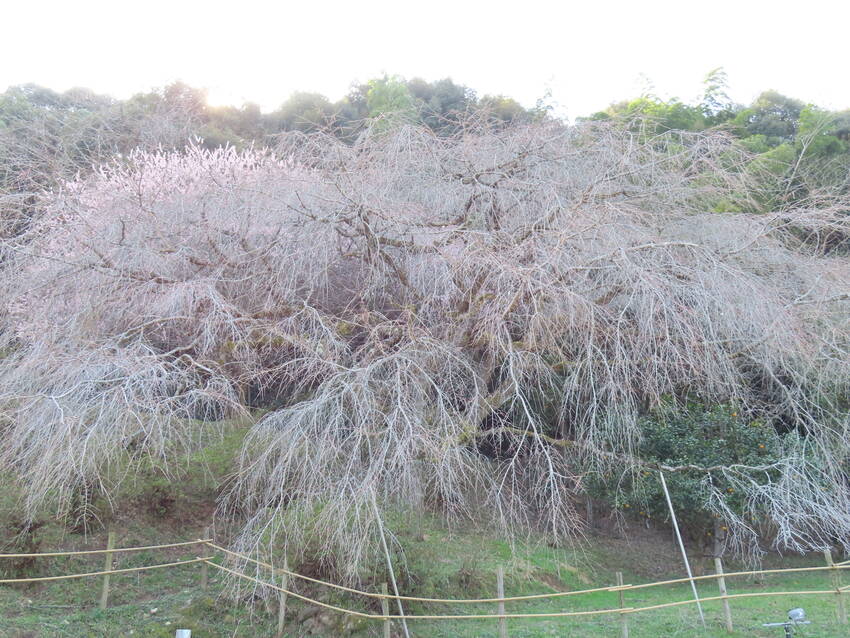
105, 572
418, 599
385, 617
615, 588
104, 551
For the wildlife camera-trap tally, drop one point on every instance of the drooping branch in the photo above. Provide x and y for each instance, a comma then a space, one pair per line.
466, 324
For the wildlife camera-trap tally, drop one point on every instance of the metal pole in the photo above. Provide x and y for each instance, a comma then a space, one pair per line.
389, 564
682, 546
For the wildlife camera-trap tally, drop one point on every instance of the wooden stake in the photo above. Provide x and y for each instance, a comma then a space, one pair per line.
624, 623
205, 568
107, 566
385, 610
205, 575
721, 584
500, 589
281, 610
840, 609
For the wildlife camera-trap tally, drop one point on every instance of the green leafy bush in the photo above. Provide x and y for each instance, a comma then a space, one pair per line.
699, 436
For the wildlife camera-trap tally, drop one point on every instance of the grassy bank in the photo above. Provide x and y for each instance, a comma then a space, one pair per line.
437, 562
443, 564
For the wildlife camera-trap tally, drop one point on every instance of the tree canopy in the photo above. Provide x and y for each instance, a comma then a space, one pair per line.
468, 324
428, 300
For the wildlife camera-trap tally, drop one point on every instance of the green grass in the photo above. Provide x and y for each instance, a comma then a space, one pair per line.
153, 603
747, 614
538, 569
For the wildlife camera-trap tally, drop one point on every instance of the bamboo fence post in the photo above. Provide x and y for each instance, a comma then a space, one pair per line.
500, 588
205, 575
385, 610
721, 584
835, 577
205, 568
624, 623
281, 610
107, 566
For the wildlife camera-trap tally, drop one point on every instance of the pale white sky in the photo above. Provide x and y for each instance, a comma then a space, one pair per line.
588, 53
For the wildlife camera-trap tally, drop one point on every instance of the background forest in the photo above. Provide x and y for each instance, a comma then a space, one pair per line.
48, 135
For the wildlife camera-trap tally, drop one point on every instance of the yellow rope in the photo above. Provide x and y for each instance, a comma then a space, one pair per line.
295, 574
207, 560
413, 598
416, 617
105, 572
731, 574
614, 588
292, 593
554, 614
104, 551
618, 610
557, 594
730, 596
